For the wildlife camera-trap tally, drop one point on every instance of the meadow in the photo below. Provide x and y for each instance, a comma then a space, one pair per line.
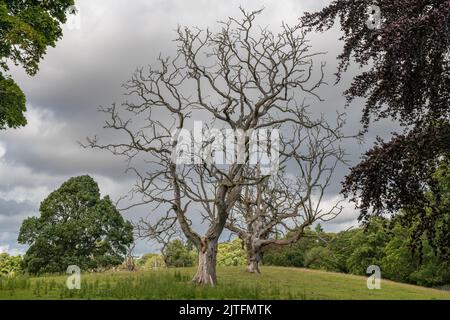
234, 283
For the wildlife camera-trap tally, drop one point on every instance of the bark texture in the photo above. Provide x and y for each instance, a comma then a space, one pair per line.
206, 270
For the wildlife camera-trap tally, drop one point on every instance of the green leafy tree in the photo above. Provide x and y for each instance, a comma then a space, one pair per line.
143, 260
436, 213
231, 253
156, 261
432, 271
401, 264
318, 228
398, 262
294, 254
368, 244
342, 246
383, 242
177, 254
319, 258
9, 265
27, 29
151, 260
75, 227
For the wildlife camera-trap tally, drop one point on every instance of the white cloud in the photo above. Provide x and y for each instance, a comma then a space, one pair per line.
22, 194
11, 251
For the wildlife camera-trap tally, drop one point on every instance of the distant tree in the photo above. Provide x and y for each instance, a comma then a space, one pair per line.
383, 242
231, 253
27, 28
9, 265
368, 246
177, 255
143, 260
435, 214
318, 228
290, 202
319, 258
292, 255
342, 246
76, 227
432, 270
407, 55
398, 261
129, 263
154, 262
151, 261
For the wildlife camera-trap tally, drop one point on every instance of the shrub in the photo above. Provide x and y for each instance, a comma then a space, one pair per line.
9, 265
231, 254
178, 255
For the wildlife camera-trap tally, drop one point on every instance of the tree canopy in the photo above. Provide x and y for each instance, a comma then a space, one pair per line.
27, 29
76, 227
176, 254
407, 80
383, 242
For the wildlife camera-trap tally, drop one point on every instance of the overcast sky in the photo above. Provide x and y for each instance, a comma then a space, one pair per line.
86, 70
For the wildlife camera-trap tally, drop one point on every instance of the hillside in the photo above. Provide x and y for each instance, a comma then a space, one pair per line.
274, 283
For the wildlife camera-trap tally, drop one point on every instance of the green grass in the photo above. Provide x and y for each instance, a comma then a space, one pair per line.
234, 283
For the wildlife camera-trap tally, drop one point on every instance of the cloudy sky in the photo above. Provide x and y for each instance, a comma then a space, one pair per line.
100, 50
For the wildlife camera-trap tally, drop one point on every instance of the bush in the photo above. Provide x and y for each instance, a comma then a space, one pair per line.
178, 255
319, 258
231, 254
9, 265
292, 255
155, 261
143, 260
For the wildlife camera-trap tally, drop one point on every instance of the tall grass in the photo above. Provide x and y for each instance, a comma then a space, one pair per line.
143, 285
234, 283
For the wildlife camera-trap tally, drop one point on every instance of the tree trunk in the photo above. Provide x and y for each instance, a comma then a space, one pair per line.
206, 270
253, 258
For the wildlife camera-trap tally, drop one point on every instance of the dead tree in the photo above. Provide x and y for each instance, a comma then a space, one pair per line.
242, 78
130, 259
286, 203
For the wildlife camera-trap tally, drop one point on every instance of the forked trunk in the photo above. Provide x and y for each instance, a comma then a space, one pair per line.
206, 270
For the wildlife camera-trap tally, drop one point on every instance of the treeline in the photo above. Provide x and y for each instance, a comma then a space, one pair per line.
178, 254
383, 243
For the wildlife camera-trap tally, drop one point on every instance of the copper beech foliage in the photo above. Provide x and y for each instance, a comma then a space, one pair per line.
406, 79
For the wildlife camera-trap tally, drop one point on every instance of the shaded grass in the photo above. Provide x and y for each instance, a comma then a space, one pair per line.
234, 283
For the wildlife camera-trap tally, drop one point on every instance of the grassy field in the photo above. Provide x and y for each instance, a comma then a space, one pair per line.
273, 283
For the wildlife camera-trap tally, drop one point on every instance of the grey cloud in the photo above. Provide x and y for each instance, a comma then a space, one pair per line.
87, 68
9, 208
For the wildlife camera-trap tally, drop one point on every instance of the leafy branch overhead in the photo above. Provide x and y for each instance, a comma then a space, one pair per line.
27, 29
407, 81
